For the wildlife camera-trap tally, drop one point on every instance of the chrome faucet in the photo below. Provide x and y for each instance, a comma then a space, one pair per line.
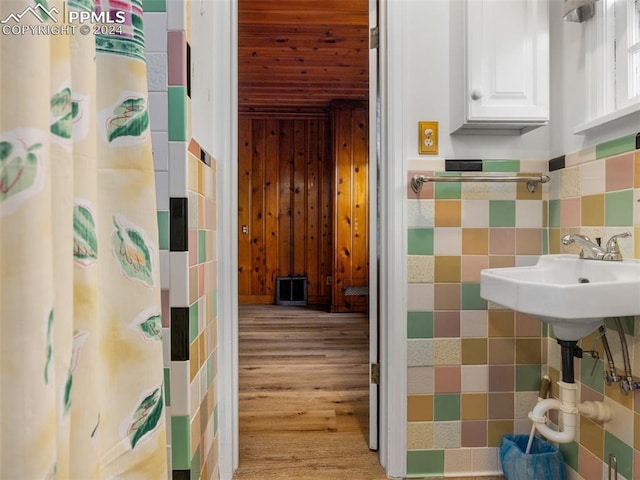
593, 250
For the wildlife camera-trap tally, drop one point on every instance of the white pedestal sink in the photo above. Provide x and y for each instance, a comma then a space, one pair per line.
571, 294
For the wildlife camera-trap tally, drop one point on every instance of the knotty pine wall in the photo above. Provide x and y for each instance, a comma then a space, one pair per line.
285, 202
350, 150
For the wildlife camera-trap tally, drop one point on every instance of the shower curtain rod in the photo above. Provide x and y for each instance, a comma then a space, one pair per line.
532, 181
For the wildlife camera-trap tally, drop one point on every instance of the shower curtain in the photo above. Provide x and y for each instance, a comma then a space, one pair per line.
81, 377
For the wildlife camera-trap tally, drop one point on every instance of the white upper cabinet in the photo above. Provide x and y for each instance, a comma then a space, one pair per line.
499, 66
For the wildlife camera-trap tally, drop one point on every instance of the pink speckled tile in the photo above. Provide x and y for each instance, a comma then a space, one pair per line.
446, 379
193, 246
502, 241
176, 57
166, 309
590, 467
570, 212
447, 296
471, 265
474, 433
426, 191
501, 378
501, 405
446, 324
201, 282
619, 172
527, 326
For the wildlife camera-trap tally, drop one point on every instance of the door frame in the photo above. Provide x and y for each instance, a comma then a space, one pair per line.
390, 252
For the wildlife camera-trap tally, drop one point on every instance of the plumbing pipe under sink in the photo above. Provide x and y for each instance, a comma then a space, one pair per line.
570, 410
567, 403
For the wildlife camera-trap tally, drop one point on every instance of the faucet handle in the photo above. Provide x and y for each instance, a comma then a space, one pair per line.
612, 243
613, 249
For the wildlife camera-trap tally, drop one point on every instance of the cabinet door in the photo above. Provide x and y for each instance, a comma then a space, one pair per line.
507, 56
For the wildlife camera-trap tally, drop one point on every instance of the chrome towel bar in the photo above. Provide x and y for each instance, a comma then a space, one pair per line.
532, 181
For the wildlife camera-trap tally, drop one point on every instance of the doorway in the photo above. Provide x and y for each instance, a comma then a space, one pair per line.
278, 81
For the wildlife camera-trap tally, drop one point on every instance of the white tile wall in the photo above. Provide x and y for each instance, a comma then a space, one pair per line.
159, 141
180, 388
157, 71
155, 31
420, 297
162, 190
178, 169
176, 13
179, 285
159, 111
475, 378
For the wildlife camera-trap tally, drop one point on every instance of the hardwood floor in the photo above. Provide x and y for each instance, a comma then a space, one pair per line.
304, 395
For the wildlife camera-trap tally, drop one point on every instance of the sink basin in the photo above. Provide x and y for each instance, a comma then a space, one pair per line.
571, 294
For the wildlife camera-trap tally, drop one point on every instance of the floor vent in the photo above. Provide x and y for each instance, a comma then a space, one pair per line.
291, 291
350, 291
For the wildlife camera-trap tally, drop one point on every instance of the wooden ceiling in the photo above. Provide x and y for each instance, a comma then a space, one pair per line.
299, 55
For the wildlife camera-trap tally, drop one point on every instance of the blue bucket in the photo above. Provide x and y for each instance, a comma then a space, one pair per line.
543, 462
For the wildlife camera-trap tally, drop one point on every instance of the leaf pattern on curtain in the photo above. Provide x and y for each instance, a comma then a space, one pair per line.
79, 339
130, 118
147, 417
22, 161
49, 347
126, 122
85, 239
62, 113
77, 180
149, 325
132, 251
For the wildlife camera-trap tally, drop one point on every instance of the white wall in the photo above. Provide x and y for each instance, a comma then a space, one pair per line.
569, 91
425, 72
426, 91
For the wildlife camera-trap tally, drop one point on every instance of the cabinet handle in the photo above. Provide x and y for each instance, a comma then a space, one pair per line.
476, 94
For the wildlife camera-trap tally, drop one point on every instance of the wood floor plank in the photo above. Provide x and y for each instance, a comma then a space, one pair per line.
304, 395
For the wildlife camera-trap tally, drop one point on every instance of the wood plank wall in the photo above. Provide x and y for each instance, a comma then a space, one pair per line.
285, 201
350, 122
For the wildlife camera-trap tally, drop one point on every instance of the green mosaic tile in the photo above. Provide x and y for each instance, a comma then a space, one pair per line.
595, 381
180, 442
163, 230
545, 241
195, 464
154, 5
202, 246
177, 114
626, 322
617, 146
193, 321
554, 213
570, 453
446, 407
623, 453
500, 165
420, 325
211, 369
618, 209
445, 190
167, 387
420, 241
470, 293
528, 378
502, 213
425, 463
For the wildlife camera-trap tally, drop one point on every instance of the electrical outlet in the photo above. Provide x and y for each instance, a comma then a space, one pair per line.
329, 280
428, 137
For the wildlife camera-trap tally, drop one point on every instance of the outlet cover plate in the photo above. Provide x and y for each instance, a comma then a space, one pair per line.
428, 138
